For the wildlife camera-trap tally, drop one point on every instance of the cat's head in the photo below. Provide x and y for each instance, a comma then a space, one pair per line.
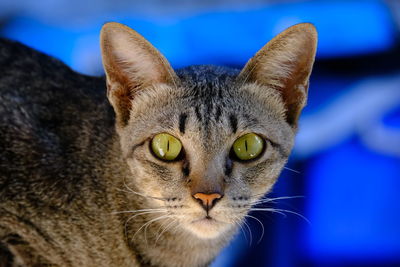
204, 143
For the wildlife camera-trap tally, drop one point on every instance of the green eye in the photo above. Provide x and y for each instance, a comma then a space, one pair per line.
248, 146
165, 146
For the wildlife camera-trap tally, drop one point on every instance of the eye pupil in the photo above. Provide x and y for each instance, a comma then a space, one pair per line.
248, 146
166, 147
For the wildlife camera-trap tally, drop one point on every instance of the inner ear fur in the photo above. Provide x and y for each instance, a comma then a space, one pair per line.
131, 64
285, 64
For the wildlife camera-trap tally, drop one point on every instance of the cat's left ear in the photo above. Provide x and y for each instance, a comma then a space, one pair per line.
285, 64
131, 64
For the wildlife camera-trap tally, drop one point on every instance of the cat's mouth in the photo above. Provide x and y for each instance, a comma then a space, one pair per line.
206, 219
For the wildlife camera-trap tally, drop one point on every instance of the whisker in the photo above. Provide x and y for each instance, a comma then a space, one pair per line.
162, 224
165, 229
289, 169
176, 226
268, 200
282, 212
148, 223
145, 229
133, 211
269, 209
262, 227
238, 222
130, 218
140, 194
249, 229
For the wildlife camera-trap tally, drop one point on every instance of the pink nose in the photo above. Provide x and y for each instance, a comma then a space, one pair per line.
207, 201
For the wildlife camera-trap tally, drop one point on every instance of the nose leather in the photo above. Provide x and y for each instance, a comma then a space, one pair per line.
207, 200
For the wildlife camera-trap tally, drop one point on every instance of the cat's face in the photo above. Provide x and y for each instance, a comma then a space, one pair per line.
207, 117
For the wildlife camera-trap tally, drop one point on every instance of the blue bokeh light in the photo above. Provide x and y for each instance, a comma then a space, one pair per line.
353, 205
345, 28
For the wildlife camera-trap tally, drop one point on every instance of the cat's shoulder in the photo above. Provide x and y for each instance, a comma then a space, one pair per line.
18, 60
49, 116
25, 70
39, 83
39, 93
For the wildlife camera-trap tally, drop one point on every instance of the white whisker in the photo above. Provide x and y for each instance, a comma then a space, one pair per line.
282, 212
140, 194
165, 229
238, 222
249, 229
262, 227
148, 223
289, 169
271, 200
139, 214
145, 229
176, 227
133, 211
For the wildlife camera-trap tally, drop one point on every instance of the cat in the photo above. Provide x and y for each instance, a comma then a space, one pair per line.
163, 176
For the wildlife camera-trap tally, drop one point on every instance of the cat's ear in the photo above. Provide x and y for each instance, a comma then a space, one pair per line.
285, 64
131, 64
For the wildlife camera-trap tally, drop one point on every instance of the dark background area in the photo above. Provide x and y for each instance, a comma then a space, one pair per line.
344, 175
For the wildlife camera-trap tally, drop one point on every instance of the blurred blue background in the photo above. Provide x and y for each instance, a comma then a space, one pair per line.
344, 173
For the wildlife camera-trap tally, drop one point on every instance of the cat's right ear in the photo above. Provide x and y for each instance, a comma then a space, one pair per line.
131, 64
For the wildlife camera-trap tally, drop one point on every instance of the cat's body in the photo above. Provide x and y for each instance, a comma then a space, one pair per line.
78, 186
59, 153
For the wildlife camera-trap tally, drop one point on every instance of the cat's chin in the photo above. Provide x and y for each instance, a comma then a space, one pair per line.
206, 228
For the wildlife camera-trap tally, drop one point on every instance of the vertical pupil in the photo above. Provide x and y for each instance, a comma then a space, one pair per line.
245, 144
166, 146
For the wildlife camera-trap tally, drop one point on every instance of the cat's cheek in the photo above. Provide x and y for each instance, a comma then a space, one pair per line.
263, 188
135, 169
142, 179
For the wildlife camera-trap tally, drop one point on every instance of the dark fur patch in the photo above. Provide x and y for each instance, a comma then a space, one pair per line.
228, 167
198, 113
182, 122
186, 168
218, 113
233, 122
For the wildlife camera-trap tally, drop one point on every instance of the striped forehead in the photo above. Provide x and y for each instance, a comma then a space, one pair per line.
209, 100
212, 100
